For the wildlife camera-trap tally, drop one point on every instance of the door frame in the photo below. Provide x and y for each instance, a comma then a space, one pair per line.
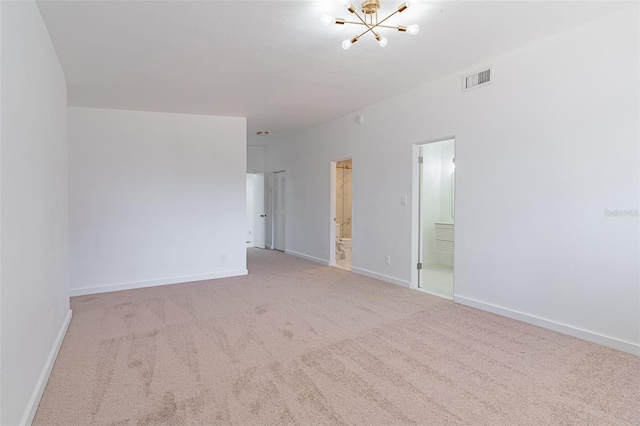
415, 210
250, 209
256, 209
332, 209
259, 212
273, 210
332, 213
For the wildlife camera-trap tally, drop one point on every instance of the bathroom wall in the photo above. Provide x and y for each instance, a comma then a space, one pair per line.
344, 171
436, 201
431, 199
446, 192
446, 155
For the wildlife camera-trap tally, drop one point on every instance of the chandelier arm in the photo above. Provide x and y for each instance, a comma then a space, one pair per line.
370, 28
378, 24
381, 26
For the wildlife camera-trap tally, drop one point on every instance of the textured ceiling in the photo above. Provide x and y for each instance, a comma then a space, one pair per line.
273, 61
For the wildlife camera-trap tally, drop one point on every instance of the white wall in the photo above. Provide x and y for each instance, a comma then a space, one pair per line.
155, 198
540, 154
34, 259
255, 159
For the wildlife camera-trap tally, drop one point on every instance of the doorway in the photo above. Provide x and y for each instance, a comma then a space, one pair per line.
436, 217
278, 197
342, 179
256, 216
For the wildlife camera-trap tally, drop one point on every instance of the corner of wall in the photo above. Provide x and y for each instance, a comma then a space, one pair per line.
34, 401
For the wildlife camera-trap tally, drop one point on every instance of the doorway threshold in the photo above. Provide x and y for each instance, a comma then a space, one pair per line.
343, 265
433, 293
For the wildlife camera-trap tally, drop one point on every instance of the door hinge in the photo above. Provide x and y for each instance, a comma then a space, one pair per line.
420, 265
420, 160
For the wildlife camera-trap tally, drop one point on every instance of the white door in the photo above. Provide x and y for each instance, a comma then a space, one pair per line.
249, 210
278, 211
259, 215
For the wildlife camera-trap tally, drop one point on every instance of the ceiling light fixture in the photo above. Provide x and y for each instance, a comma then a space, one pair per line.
370, 20
262, 133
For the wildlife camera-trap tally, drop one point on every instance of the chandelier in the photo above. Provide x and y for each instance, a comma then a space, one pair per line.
370, 20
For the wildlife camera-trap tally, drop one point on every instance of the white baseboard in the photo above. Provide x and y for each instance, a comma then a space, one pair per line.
360, 271
307, 257
589, 336
34, 401
381, 277
152, 283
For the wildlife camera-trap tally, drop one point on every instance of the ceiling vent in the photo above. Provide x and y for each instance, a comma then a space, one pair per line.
477, 79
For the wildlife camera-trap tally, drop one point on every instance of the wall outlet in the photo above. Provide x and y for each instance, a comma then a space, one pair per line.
387, 260
223, 257
403, 200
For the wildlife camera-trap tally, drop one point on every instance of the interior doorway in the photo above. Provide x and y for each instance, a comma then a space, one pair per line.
279, 213
256, 216
341, 194
436, 217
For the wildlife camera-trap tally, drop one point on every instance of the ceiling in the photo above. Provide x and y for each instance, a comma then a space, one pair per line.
273, 61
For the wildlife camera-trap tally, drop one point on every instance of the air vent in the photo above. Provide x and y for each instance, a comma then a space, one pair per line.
479, 78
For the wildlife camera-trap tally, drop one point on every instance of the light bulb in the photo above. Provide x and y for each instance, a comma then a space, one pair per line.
383, 42
326, 19
413, 29
346, 44
346, 3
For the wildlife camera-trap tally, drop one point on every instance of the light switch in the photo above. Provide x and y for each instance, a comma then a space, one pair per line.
403, 200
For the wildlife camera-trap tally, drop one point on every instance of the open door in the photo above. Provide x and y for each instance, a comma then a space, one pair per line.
259, 216
436, 225
278, 211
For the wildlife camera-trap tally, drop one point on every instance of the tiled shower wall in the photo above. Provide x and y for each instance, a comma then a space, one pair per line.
343, 197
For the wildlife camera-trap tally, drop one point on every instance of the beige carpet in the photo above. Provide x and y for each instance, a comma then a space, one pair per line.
298, 343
